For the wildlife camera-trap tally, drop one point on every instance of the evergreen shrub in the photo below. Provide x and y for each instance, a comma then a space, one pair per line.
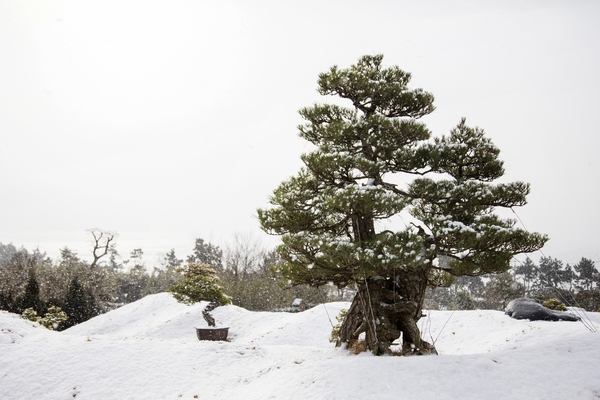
554, 304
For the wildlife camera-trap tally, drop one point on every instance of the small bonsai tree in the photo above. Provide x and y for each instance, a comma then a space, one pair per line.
200, 283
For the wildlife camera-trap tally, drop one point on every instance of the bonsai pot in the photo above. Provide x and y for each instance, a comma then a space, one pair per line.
212, 333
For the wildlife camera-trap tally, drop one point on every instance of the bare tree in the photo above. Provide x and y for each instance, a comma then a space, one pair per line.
244, 255
102, 243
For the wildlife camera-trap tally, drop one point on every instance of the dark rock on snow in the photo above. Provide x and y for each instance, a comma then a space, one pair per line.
529, 309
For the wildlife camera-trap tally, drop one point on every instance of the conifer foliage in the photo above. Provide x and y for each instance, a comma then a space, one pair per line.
32, 295
200, 283
79, 304
374, 160
53, 318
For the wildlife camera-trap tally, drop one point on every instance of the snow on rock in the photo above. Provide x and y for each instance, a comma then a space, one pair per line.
529, 309
149, 350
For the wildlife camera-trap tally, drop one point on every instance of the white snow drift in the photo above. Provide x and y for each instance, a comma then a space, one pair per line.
149, 350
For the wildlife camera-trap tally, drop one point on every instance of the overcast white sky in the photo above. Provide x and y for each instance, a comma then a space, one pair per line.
168, 121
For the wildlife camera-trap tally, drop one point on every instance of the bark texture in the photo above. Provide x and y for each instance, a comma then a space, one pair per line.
206, 312
383, 309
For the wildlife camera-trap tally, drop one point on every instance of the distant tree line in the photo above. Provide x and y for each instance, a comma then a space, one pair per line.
32, 280
573, 285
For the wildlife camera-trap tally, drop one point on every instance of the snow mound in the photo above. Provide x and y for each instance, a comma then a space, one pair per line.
149, 350
14, 329
160, 316
157, 316
485, 331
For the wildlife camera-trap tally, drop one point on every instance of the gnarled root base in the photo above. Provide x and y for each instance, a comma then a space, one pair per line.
382, 315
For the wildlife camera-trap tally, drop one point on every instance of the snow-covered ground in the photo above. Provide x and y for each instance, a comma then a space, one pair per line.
149, 350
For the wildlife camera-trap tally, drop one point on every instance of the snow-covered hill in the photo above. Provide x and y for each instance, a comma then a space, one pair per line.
149, 350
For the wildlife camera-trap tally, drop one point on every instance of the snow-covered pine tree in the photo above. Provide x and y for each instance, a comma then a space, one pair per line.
371, 162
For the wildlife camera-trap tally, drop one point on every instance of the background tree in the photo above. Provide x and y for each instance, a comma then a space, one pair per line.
32, 299
78, 304
102, 243
135, 258
16, 267
501, 289
243, 275
166, 276
113, 260
464, 301
473, 285
588, 274
551, 273
569, 278
171, 261
439, 298
249, 279
243, 255
207, 253
68, 257
359, 174
6, 253
528, 271
464, 293
565, 296
588, 299
98, 283
132, 285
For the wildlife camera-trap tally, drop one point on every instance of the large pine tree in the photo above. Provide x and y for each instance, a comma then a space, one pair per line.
372, 161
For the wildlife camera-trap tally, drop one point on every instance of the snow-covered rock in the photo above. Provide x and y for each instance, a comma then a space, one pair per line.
529, 309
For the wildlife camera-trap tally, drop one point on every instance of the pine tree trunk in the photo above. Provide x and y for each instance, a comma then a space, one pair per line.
383, 310
206, 312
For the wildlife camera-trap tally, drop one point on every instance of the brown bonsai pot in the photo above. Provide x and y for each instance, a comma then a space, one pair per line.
211, 333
